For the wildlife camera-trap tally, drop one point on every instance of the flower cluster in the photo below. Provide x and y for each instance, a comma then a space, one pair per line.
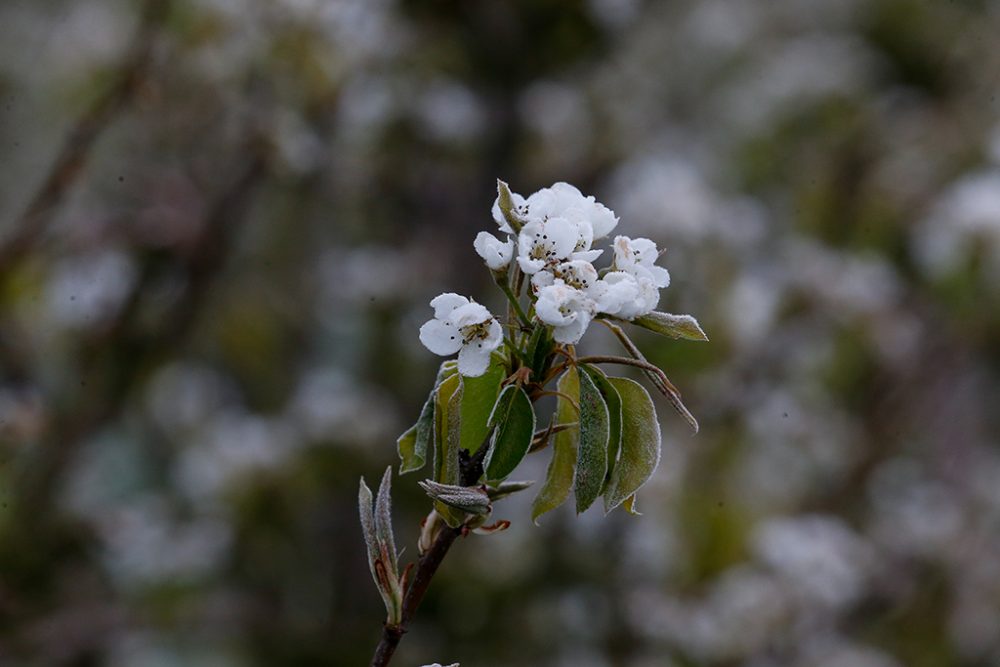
553, 233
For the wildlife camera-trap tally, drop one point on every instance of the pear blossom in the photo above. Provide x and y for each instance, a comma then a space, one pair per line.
545, 243
637, 256
496, 253
561, 198
567, 309
626, 296
463, 326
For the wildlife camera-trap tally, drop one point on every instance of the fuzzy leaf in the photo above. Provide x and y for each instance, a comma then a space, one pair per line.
540, 346
367, 520
640, 452
412, 445
614, 403
630, 506
471, 499
383, 519
592, 454
559, 477
515, 426
675, 326
479, 394
507, 206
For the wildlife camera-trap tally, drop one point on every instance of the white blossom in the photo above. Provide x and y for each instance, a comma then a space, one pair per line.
637, 256
567, 309
462, 326
545, 243
627, 295
496, 253
562, 198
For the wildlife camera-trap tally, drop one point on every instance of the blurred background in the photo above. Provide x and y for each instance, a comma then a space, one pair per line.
220, 225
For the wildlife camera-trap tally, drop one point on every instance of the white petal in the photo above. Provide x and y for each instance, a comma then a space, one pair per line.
563, 235
470, 313
473, 359
443, 304
571, 333
495, 336
602, 220
499, 219
496, 253
586, 255
661, 277
530, 266
440, 337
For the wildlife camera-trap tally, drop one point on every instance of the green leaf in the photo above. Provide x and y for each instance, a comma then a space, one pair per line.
447, 434
675, 326
640, 452
479, 394
614, 403
559, 477
592, 454
515, 426
630, 506
507, 206
413, 443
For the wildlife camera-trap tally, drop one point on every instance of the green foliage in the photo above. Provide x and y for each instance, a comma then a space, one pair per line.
592, 457
479, 395
614, 404
640, 451
514, 420
559, 477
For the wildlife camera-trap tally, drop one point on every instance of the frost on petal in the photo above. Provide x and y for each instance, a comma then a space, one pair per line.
617, 290
660, 276
443, 304
587, 255
469, 314
552, 305
473, 359
494, 337
571, 333
440, 337
495, 253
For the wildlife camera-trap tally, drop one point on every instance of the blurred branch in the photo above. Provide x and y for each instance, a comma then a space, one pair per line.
84, 133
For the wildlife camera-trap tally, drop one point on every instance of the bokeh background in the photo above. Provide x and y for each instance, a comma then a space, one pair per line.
220, 225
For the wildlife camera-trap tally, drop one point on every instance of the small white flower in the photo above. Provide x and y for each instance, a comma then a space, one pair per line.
462, 326
626, 295
547, 243
638, 257
561, 198
495, 252
567, 309
439, 665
